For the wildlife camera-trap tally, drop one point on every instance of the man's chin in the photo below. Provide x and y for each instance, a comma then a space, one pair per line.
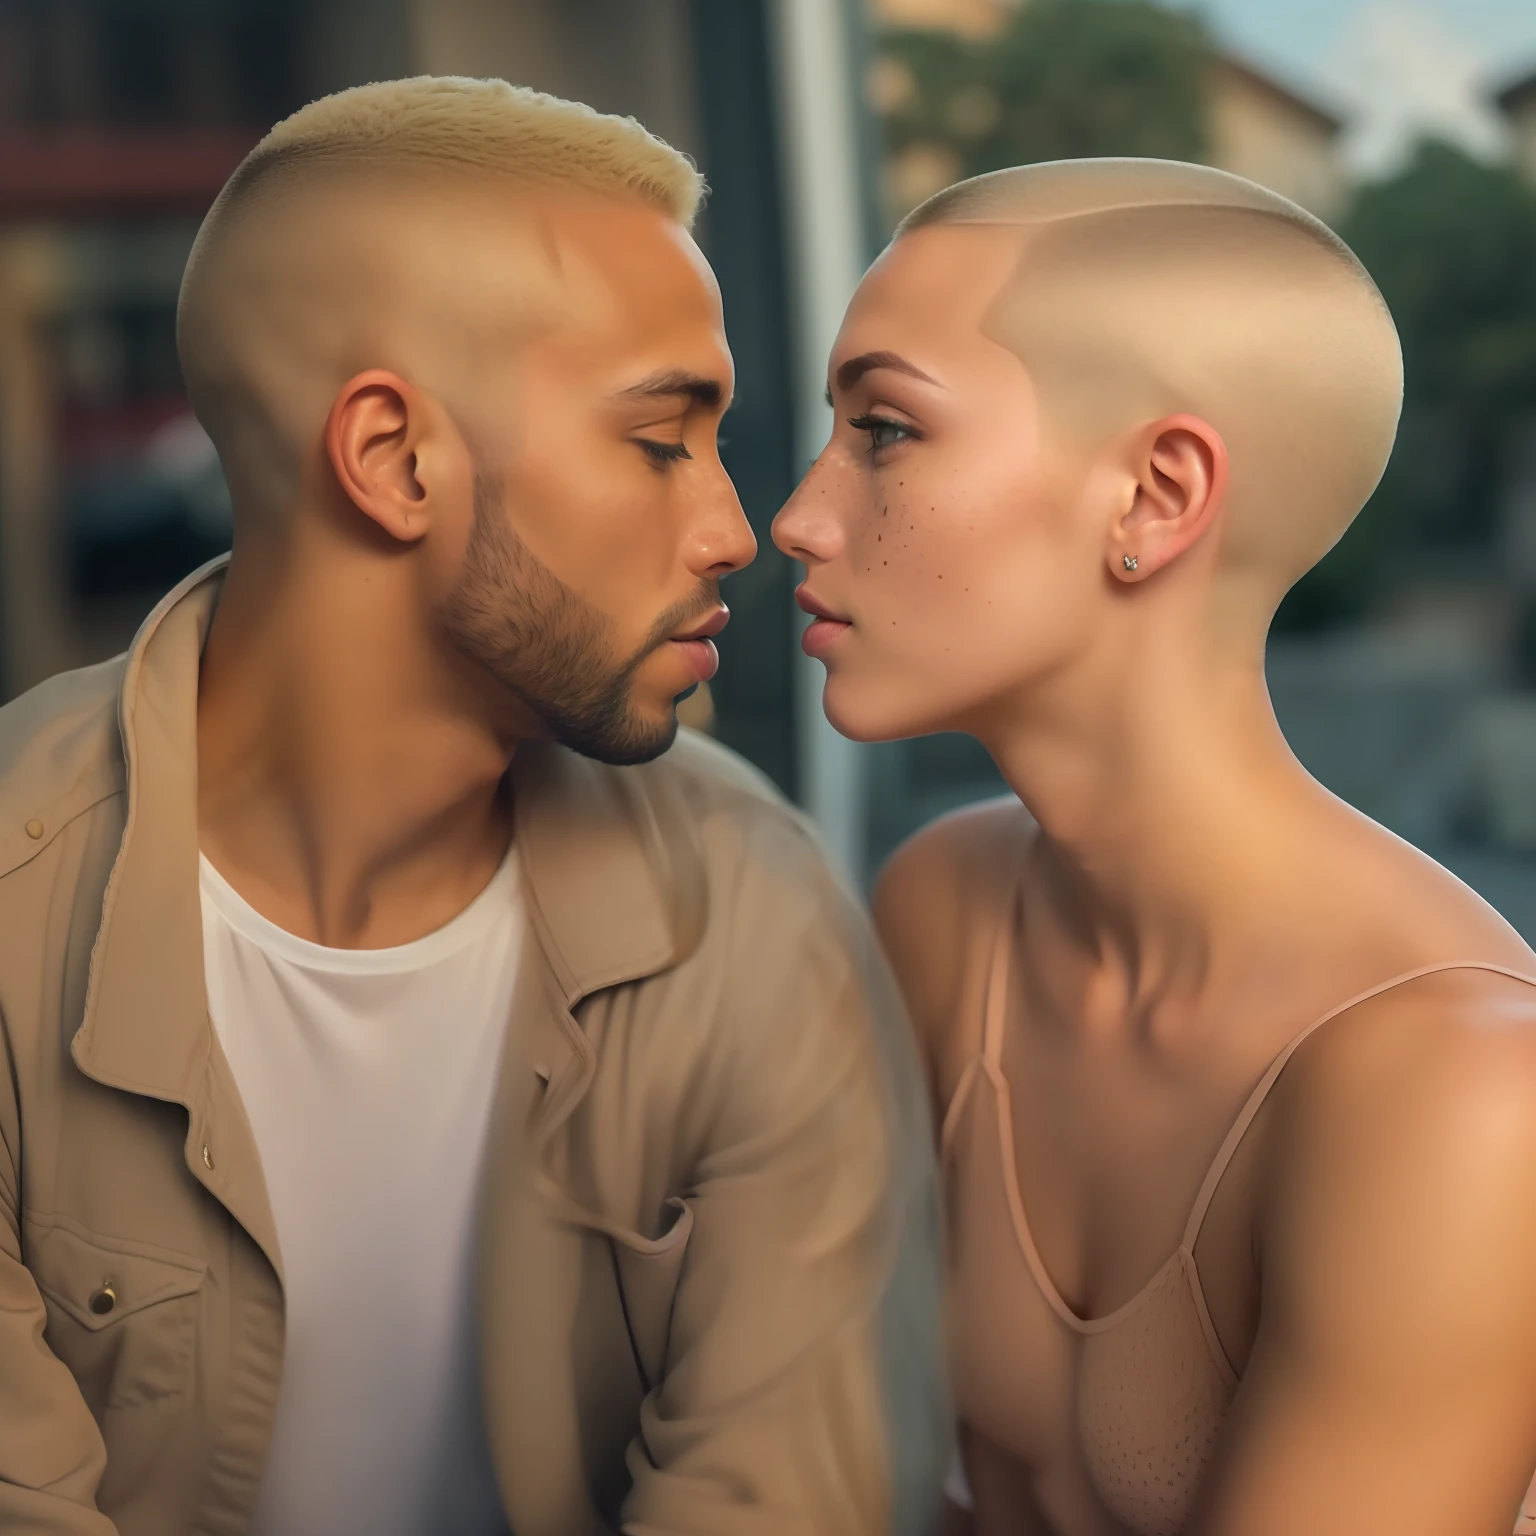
636, 740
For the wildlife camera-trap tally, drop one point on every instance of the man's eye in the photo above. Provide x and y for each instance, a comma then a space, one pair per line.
883, 432
663, 453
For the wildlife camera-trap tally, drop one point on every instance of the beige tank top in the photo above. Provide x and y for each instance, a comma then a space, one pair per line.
1116, 1416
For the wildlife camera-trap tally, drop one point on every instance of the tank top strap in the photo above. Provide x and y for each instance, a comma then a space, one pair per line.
1256, 1099
996, 1013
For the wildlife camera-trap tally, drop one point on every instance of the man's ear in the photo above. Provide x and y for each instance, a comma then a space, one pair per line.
373, 437
1181, 471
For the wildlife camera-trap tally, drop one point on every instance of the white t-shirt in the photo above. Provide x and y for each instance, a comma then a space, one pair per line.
367, 1076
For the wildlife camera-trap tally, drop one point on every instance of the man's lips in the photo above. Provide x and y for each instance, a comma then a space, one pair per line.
709, 628
698, 648
826, 626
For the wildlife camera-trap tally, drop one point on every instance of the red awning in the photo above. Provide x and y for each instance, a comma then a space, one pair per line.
82, 172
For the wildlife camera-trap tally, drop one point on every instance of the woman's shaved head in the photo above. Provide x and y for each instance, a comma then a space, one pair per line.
1146, 288
1084, 410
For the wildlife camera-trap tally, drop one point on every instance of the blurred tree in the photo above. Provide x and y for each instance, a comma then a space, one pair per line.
1064, 78
1450, 240
1451, 243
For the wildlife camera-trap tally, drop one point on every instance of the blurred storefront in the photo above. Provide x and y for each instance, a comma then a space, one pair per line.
117, 126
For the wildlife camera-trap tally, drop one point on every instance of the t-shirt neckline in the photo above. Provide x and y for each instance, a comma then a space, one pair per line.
489, 909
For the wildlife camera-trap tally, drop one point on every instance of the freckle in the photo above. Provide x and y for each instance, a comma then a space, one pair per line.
879, 537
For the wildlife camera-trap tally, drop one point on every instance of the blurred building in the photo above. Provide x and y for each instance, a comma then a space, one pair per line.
120, 122
970, 18
1269, 133
1257, 126
1517, 101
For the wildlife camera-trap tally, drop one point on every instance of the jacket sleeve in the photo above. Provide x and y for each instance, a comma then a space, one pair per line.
51, 1453
803, 1386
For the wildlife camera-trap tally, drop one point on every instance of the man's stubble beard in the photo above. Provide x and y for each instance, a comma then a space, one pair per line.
548, 646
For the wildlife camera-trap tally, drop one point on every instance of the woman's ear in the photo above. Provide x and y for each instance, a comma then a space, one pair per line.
372, 437
1181, 472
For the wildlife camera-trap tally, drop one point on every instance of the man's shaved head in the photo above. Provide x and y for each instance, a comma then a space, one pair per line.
450, 338
1146, 288
323, 254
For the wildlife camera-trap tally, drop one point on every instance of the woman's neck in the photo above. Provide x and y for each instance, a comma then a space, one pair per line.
1169, 813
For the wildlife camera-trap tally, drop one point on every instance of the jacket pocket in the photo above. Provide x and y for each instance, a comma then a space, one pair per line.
121, 1315
648, 1269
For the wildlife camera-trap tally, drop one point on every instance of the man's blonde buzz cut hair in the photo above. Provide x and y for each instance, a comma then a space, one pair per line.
456, 122
423, 132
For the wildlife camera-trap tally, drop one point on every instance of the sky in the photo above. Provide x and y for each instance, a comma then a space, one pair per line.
1394, 68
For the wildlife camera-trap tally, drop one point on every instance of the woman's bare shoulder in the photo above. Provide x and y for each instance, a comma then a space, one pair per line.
936, 903
965, 861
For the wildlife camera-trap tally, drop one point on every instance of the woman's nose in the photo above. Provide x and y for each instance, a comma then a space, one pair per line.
807, 527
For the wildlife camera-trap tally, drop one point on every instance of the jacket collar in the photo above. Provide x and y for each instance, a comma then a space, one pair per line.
614, 875
146, 1027
145, 1024
615, 888
612, 870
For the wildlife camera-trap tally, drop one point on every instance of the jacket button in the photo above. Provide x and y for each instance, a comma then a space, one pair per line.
103, 1299
34, 829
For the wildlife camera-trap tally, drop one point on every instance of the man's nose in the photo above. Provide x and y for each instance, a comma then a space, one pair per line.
725, 541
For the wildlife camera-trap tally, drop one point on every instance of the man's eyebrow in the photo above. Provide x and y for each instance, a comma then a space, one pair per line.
855, 368
676, 383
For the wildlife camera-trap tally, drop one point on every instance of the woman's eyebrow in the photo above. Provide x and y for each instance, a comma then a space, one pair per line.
849, 373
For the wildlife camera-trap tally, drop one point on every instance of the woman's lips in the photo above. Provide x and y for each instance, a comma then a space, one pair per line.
826, 626
819, 637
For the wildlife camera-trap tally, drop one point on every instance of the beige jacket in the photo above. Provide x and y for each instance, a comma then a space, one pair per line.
708, 1241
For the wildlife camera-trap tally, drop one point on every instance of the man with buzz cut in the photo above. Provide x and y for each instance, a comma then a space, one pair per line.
435, 1101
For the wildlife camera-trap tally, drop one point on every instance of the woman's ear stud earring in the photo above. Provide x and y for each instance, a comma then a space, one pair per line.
1128, 561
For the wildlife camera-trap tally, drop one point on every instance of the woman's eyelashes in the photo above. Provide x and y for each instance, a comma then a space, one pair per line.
884, 431
663, 453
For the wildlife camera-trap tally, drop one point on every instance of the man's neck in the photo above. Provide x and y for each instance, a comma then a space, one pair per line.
347, 786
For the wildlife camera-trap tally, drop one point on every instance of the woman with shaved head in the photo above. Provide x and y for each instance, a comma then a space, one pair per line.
1237, 1092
